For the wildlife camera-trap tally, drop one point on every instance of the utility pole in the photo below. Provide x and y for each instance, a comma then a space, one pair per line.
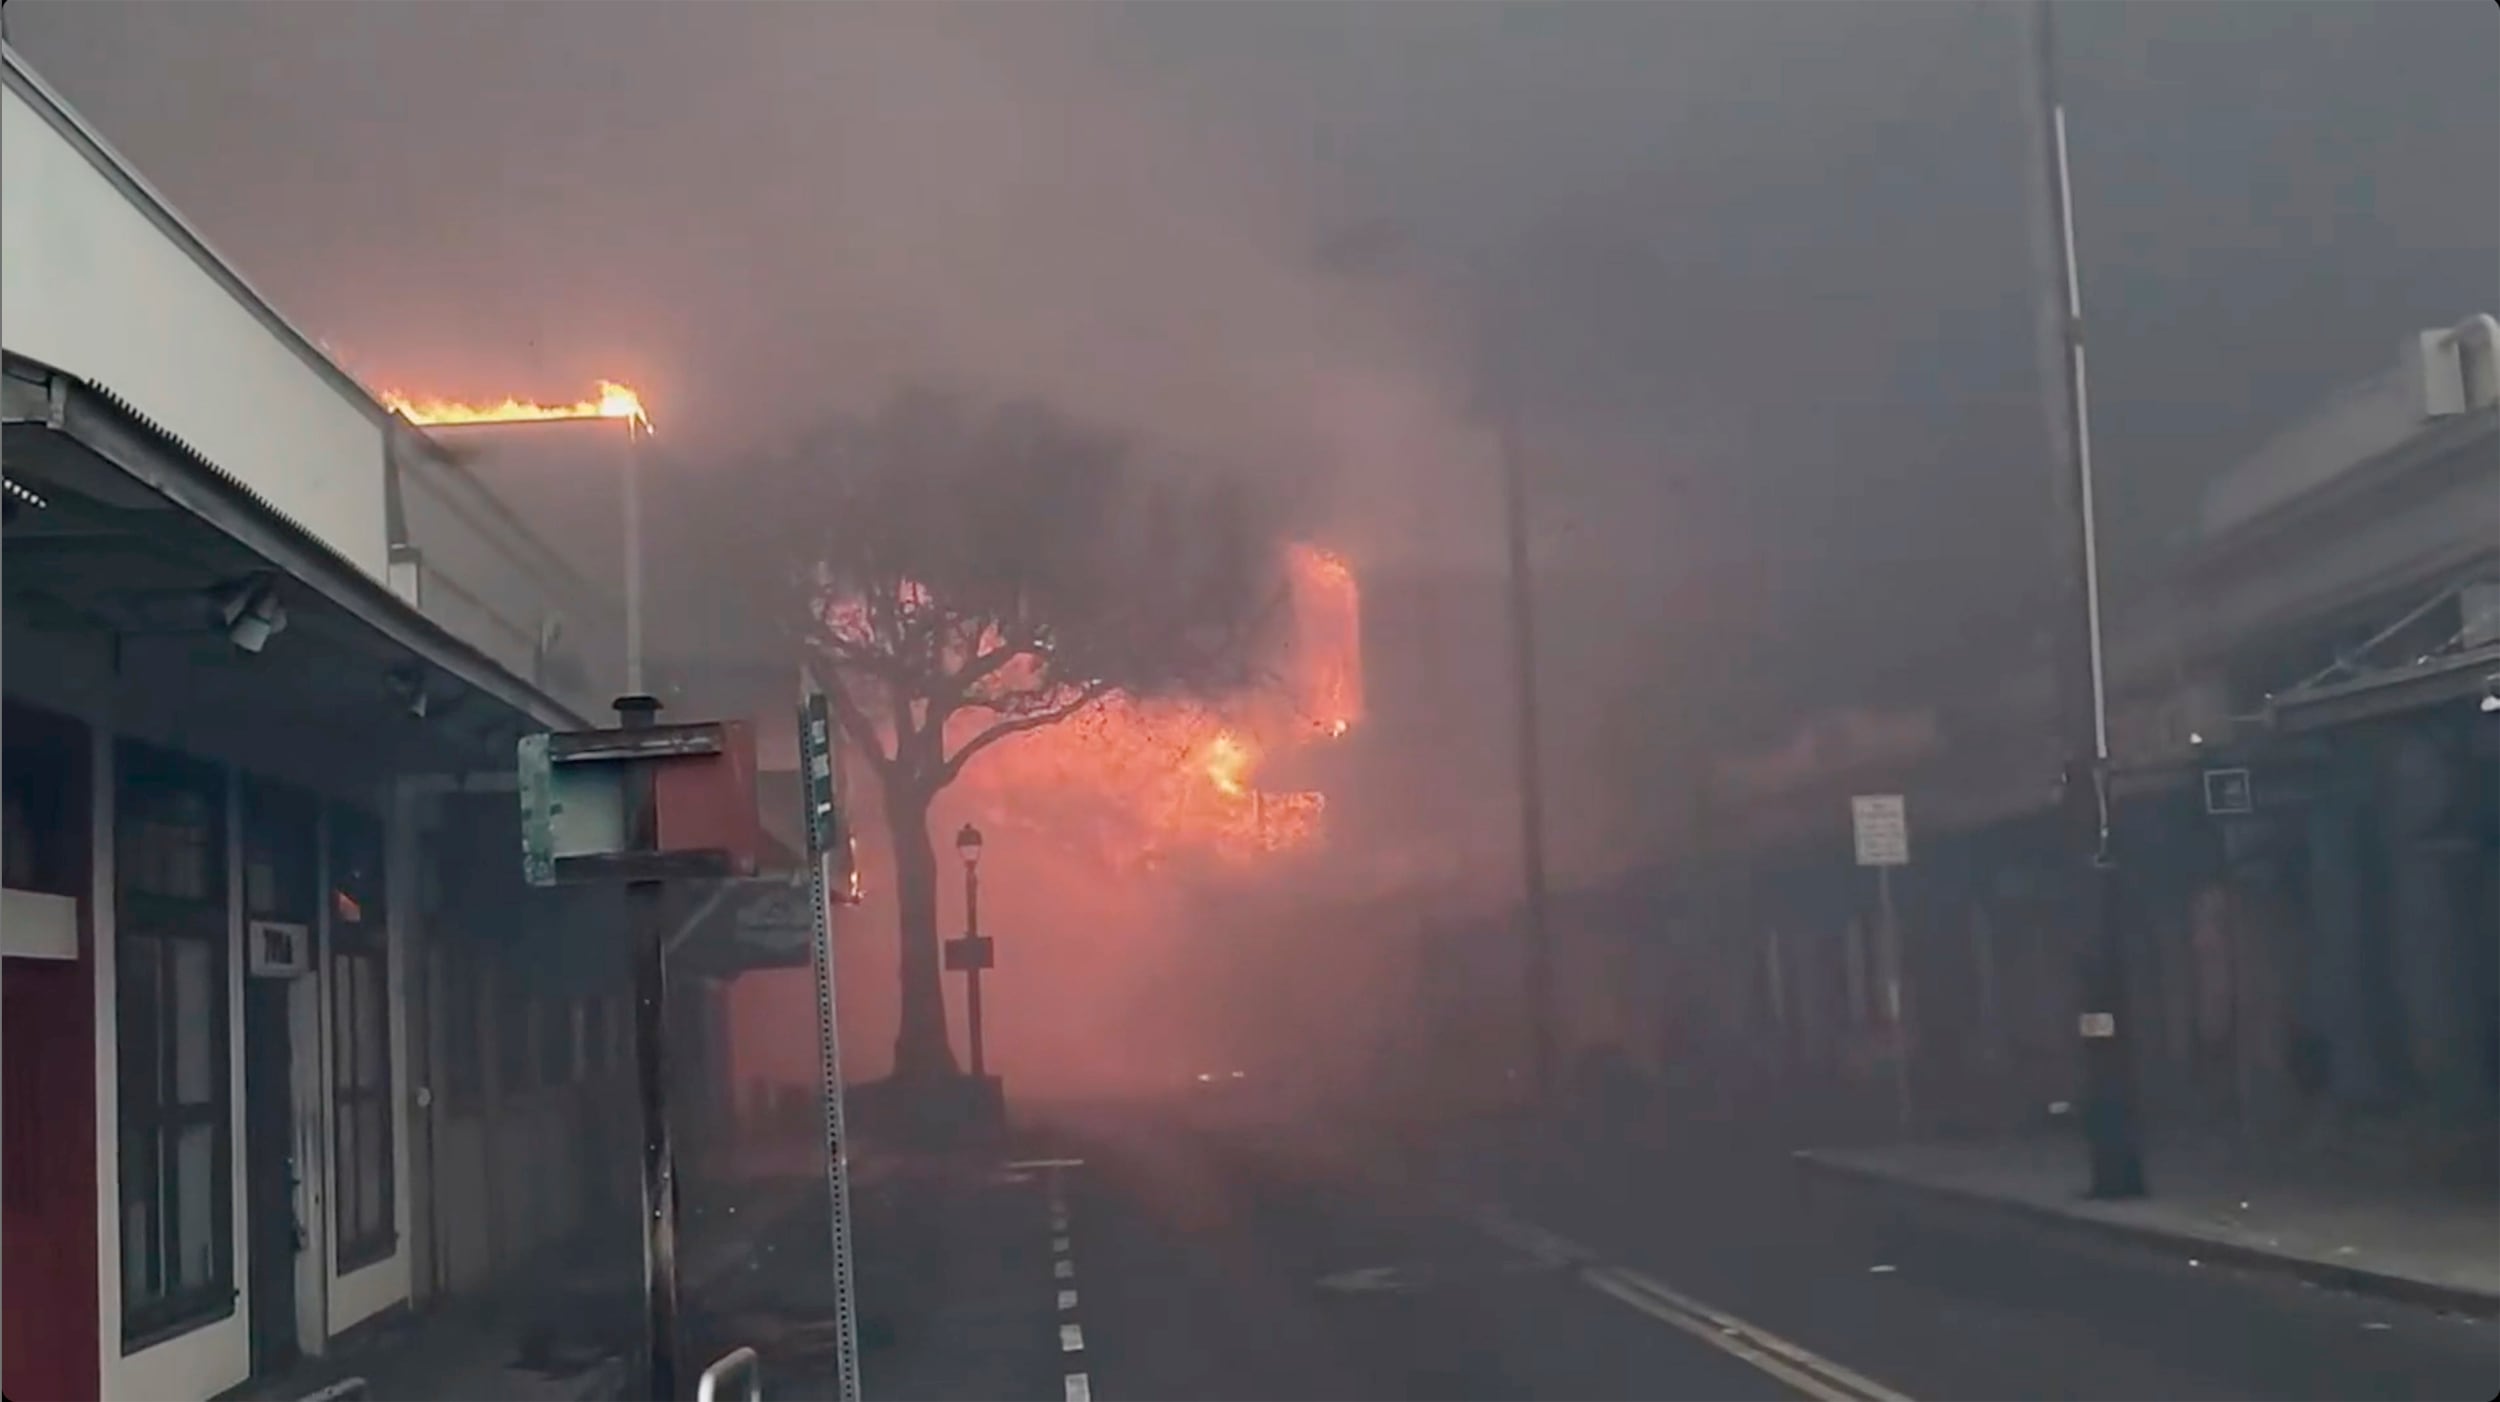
2108, 1096
635, 433
1531, 766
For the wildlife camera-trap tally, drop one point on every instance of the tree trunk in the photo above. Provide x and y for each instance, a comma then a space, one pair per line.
921, 1051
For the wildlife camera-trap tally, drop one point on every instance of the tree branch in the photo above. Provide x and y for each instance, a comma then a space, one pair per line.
857, 724
1091, 693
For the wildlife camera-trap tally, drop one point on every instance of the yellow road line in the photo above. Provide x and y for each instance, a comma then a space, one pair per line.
1728, 1326
1801, 1368
1607, 1280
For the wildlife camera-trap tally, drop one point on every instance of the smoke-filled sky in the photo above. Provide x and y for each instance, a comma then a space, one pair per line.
1758, 272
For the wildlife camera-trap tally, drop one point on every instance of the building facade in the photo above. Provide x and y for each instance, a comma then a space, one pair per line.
2305, 723
288, 1054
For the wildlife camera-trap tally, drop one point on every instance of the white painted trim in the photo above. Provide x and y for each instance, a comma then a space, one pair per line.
38, 925
308, 1120
214, 1357
368, 1290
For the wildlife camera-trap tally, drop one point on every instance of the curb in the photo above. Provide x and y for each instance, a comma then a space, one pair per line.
2359, 1280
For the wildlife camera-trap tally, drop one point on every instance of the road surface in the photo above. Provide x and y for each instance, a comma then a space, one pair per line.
1209, 1255
1205, 1252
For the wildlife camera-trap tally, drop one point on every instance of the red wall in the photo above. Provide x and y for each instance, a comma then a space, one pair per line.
48, 1239
47, 1109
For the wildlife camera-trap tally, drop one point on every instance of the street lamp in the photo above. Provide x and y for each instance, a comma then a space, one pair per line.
971, 953
2117, 1160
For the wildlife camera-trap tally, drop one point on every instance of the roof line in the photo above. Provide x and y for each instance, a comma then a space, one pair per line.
88, 412
22, 79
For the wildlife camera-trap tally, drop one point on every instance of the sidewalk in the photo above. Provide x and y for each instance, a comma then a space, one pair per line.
952, 1272
568, 1330
2403, 1240
471, 1353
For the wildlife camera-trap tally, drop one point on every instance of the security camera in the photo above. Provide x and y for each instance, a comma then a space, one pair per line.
252, 613
2491, 694
408, 684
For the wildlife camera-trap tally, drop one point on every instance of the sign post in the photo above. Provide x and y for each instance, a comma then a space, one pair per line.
1881, 827
596, 807
828, 841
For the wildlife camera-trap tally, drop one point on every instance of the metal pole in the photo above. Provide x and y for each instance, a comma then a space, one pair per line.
1893, 1001
1531, 767
633, 558
659, 1164
828, 828
2108, 1097
972, 974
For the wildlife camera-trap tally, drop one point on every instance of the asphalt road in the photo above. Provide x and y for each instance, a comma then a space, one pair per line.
1210, 1252
1218, 1255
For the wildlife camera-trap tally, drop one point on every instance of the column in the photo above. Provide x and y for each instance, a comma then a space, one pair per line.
2336, 986
2418, 812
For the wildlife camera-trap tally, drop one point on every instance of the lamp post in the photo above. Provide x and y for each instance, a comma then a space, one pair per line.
2117, 1161
975, 955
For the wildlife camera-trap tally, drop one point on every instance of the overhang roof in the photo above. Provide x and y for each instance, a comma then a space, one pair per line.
137, 524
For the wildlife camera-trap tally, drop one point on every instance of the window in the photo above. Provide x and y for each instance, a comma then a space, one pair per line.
278, 854
44, 773
171, 1029
360, 1043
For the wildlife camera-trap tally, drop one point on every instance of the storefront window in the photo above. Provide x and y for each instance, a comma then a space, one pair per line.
360, 1048
171, 1031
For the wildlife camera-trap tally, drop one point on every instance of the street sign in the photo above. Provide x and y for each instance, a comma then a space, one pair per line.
1881, 826
970, 952
576, 804
640, 805
2228, 792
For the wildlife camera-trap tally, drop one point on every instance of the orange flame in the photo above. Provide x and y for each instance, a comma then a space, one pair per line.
614, 401
1143, 782
1227, 763
1328, 638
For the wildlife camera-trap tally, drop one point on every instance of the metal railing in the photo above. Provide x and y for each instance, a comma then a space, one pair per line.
736, 1376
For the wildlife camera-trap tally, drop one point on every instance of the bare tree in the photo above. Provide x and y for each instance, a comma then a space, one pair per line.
972, 572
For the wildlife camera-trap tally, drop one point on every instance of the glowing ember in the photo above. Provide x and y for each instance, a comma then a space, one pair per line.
614, 401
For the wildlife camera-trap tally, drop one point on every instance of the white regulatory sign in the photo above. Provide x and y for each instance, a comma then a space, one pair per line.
1882, 827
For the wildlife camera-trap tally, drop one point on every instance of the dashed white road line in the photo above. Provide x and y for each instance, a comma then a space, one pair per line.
1080, 1385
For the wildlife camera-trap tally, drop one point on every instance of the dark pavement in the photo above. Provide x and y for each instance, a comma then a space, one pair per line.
1940, 1301
1215, 1265
1212, 1252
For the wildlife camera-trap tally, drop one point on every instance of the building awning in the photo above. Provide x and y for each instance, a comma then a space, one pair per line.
116, 527
2451, 679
